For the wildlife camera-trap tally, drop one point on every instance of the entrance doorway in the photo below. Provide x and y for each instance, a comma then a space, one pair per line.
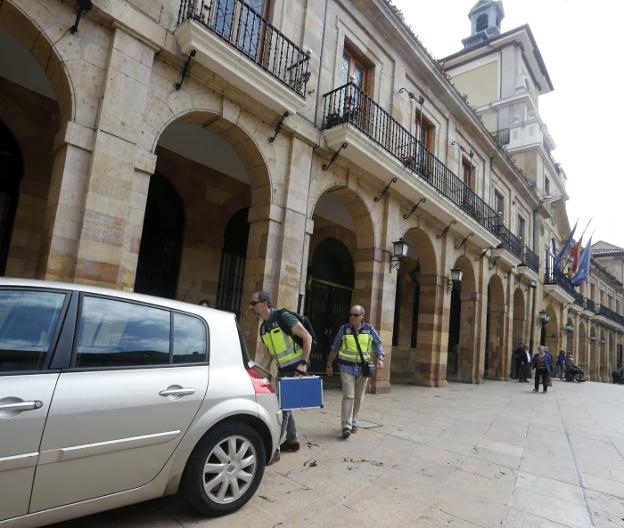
328, 298
10, 175
161, 241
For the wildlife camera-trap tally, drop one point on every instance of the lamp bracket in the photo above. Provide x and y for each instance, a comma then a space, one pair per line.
445, 230
480, 257
406, 216
509, 272
278, 126
385, 189
493, 263
80, 8
186, 69
464, 240
334, 156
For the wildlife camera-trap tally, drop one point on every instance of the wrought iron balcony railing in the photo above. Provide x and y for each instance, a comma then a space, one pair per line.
501, 136
590, 305
558, 278
579, 299
530, 259
242, 27
349, 104
509, 241
610, 314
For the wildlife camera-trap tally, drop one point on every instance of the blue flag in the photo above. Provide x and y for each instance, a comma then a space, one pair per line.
564, 249
584, 262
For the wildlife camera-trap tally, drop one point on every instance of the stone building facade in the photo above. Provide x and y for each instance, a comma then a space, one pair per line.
207, 149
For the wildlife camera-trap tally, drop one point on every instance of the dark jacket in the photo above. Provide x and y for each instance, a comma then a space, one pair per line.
547, 361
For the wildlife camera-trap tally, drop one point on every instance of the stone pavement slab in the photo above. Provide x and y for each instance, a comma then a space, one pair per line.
463, 456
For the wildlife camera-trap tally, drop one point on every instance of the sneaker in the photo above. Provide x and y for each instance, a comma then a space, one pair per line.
276, 458
534, 390
346, 433
291, 447
354, 429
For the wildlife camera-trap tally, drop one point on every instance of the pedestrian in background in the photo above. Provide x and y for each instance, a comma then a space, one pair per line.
353, 345
542, 363
561, 360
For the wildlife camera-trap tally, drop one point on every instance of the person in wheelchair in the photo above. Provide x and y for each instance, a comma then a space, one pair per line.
572, 371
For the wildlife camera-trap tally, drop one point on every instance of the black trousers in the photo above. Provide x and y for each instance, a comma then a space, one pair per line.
543, 374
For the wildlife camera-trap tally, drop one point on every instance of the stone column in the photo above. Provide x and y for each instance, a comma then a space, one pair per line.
293, 240
65, 205
432, 337
468, 368
119, 173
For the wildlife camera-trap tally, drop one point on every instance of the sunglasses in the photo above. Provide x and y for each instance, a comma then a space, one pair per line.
355, 315
253, 302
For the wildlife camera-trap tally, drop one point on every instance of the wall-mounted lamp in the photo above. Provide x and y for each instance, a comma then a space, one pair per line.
82, 6
543, 316
603, 341
569, 327
532, 284
463, 149
457, 274
399, 252
420, 99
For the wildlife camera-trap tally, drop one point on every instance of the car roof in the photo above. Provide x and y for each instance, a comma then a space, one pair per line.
204, 311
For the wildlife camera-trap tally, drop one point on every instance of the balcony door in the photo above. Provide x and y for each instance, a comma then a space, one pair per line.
241, 23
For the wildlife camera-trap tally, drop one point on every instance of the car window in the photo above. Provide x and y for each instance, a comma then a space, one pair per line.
28, 319
189, 339
121, 334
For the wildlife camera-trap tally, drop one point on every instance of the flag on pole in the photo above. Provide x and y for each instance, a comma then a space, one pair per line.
564, 249
575, 253
584, 262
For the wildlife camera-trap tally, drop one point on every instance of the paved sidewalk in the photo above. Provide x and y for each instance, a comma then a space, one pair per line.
486, 455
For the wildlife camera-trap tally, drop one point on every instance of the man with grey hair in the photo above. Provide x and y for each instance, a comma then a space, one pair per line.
353, 345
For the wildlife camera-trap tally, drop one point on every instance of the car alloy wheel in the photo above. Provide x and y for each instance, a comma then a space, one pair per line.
229, 469
225, 468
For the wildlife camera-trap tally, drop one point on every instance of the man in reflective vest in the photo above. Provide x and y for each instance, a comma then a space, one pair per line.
280, 346
350, 362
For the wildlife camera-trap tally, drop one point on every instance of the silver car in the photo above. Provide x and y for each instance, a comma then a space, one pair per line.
109, 398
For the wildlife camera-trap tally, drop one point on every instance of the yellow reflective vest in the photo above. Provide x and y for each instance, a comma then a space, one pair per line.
282, 347
348, 352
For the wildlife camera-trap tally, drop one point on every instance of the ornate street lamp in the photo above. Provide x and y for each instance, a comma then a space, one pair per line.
457, 274
399, 252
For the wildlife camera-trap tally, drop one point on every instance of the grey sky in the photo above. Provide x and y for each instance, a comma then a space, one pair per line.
582, 46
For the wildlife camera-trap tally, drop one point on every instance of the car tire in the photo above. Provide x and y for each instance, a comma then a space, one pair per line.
225, 469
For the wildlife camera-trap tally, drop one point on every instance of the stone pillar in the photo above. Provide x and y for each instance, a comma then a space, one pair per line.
468, 367
293, 242
498, 319
119, 173
432, 342
508, 344
65, 205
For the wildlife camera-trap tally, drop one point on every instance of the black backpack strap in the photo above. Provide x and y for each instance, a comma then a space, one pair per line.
357, 344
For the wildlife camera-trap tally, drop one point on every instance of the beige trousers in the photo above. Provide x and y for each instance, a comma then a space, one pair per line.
353, 390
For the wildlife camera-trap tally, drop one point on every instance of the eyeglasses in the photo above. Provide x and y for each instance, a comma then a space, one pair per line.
253, 302
355, 315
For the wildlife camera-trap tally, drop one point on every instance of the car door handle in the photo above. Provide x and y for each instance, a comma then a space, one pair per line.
21, 406
182, 391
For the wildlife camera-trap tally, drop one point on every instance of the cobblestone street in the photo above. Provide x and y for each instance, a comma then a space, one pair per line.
467, 455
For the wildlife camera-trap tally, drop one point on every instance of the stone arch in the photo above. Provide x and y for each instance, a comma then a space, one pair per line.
463, 319
30, 33
603, 355
582, 357
594, 354
519, 326
495, 349
235, 134
340, 264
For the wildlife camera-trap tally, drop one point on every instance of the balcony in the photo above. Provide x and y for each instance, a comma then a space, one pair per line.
348, 108
501, 136
559, 286
590, 305
232, 40
610, 314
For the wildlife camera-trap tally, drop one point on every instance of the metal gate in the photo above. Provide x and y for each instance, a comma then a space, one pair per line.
327, 305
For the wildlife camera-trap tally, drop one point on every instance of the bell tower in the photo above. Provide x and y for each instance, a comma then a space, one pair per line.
485, 21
